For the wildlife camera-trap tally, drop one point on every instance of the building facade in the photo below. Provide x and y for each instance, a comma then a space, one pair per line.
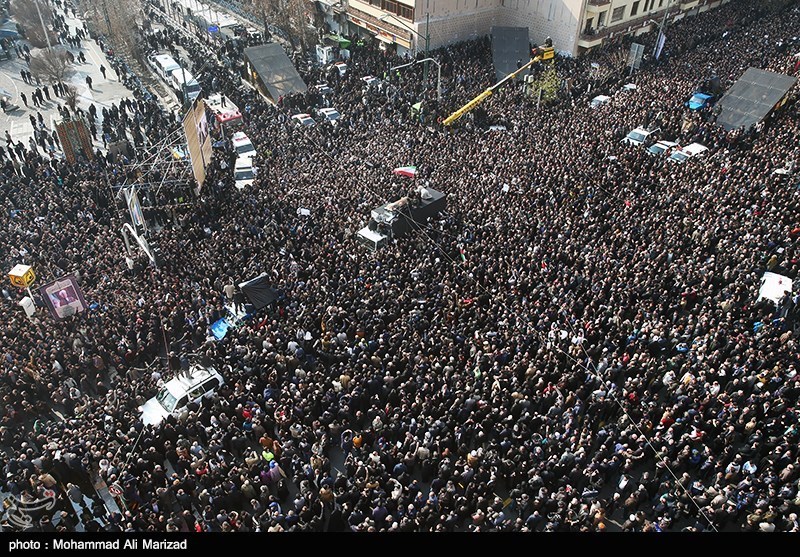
574, 25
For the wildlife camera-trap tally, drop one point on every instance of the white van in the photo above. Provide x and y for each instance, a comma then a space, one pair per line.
182, 80
164, 64
242, 145
177, 393
244, 173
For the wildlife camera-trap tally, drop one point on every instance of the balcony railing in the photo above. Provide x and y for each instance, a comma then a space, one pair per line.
627, 26
599, 2
385, 25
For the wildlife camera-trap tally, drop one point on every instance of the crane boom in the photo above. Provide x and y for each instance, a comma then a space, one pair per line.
543, 54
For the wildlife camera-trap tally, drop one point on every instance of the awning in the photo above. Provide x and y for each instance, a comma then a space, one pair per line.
343, 43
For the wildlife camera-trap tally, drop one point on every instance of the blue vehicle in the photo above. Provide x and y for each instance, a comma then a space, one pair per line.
700, 101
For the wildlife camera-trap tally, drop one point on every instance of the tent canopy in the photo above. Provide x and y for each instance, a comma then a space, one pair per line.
258, 291
275, 70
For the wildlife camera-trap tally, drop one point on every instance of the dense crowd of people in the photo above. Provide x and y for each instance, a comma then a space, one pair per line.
574, 344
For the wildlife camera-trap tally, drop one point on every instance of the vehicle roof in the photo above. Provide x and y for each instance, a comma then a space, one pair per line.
178, 386
328, 110
239, 138
695, 148
302, 116
702, 95
666, 143
243, 162
640, 130
164, 59
601, 98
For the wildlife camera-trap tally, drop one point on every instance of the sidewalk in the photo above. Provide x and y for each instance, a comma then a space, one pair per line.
104, 93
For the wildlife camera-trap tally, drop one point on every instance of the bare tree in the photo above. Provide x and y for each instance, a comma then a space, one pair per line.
71, 97
117, 20
290, 16
28, 18
51, 66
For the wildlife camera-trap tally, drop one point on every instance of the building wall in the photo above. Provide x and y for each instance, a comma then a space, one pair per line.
562, 20
557, 19
458, 20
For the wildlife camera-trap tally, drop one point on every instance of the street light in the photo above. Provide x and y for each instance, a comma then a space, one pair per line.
426, 38
438, 77
661, 27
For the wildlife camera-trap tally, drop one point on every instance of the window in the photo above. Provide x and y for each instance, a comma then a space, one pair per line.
390, 6
589, 23
197, 392
376, 3
635, 9
617, 14
406, 12
601, 20
660, 3
210, 384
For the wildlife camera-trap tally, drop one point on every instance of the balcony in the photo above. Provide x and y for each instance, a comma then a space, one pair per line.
375, 25
599, 2
596, 36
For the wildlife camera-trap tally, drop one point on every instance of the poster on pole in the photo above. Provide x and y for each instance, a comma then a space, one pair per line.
135, 209
660, 44
635, 56
198, 141
63, 297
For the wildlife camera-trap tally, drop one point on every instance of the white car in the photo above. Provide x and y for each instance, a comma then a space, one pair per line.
330, 114
324, 89
638, 136
370, 80
177, 393
599, 100
243, 145
341, 67
662, 147
303, 120
690, 151
244, 173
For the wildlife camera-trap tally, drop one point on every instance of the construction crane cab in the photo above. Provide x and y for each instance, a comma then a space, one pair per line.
543, 53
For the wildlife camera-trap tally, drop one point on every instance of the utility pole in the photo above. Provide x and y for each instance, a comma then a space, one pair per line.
661, 27
427, 45
44, 29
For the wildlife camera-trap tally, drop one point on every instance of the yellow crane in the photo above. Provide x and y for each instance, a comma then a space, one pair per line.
540, 54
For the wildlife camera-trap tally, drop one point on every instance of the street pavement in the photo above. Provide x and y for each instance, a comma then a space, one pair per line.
105, 91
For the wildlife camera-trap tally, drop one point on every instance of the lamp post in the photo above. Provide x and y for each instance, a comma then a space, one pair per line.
661, 27
44, 29
438, 76
426, 38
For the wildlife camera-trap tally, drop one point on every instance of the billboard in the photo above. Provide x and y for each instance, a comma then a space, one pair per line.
195, 128
75, 140
63, 297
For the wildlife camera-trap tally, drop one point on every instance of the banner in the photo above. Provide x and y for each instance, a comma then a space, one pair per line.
135, 208
198, 141
660, 44
63, 297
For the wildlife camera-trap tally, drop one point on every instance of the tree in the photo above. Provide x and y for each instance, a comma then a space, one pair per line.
117, 21
290, 16
26, 14
71, 97
548, 82
51, 66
